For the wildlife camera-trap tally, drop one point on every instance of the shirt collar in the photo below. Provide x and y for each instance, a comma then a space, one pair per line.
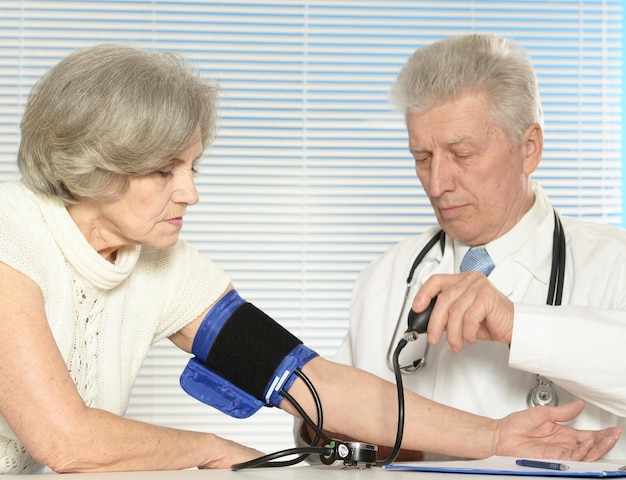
511, 244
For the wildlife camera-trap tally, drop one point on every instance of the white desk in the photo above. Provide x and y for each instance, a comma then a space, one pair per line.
273, 473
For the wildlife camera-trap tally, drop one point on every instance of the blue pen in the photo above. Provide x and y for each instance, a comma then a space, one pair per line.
538, 464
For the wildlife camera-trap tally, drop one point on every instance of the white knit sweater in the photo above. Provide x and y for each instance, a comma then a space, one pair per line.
104, 317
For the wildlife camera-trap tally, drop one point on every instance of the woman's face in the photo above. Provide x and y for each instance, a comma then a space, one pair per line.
150, 212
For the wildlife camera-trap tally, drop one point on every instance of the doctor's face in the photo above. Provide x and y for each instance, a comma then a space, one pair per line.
476, 179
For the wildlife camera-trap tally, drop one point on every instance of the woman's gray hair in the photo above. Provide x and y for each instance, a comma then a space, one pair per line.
106, 113
475, 63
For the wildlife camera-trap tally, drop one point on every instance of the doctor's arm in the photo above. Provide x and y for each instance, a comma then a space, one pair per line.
550, 340
544, 339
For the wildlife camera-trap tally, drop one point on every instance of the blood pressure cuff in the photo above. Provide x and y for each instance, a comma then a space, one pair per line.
242, 359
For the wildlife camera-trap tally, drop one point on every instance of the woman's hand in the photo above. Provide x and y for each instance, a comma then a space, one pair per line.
536, 433
229, 453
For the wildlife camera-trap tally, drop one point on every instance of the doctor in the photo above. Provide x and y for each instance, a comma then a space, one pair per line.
546, 322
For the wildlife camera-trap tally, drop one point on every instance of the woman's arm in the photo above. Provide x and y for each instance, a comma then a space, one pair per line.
359, 405
40, 403
362, 406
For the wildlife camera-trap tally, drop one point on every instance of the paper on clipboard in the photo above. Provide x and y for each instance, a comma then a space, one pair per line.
498, 465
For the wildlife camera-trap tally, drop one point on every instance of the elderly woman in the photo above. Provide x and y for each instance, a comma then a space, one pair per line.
93, 272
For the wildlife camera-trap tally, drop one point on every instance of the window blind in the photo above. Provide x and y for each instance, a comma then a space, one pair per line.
310, 178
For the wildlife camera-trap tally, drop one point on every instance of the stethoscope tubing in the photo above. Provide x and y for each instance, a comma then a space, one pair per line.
543, 393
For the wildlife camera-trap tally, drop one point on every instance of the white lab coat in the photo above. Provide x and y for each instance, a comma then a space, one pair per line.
580, 346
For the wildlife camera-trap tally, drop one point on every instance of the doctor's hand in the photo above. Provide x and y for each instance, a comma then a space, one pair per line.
468, 308
536, 433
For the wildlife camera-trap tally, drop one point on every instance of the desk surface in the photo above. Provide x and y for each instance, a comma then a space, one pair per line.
273, 473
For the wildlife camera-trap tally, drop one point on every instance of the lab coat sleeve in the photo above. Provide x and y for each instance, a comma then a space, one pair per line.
579, 348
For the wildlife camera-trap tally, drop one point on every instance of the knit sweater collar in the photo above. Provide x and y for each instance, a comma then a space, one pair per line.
80, 254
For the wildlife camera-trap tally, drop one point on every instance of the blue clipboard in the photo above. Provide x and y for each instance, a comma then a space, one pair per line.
499, 465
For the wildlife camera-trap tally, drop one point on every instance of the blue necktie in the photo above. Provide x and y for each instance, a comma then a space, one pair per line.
477, 259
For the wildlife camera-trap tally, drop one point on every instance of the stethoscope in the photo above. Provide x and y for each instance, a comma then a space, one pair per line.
543, 393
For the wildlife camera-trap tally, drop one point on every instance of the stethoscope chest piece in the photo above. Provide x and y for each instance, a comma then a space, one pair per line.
543, 394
